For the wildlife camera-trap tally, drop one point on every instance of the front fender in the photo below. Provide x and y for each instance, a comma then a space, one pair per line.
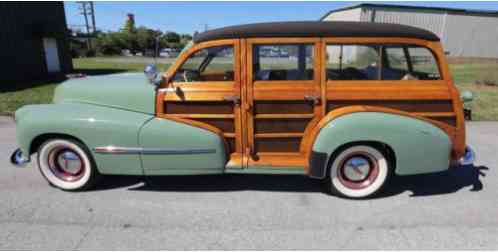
419, 146
95, 126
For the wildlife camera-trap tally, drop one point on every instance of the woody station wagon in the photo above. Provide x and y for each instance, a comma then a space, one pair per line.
349, 103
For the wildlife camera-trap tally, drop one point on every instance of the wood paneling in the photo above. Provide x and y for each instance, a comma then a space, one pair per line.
279, 112
438, 110
225, 125
276, 125
213, 105
198, 107
281, 125
408, 106
283, 107
277, 145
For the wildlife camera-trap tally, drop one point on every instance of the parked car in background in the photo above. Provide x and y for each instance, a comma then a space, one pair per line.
351, 104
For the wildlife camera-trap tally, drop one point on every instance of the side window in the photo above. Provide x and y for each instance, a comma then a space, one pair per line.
209, 64
352, 62
425, 66
399, 62
283, 62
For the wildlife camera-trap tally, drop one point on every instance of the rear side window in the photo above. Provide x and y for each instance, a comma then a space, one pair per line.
380, 62
352, 62
283, 62
424, 64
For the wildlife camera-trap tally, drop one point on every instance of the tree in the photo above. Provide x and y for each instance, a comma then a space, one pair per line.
111, 43
146, 39
172, 37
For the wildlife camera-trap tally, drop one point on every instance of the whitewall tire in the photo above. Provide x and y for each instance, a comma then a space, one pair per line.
67, 164
358, 171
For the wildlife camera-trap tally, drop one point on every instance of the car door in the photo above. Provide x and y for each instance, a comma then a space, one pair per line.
283, 101
199, 108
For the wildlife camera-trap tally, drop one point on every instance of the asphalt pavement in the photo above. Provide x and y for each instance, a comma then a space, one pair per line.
450, 210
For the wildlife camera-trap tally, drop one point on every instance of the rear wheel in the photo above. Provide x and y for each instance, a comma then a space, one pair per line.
67, 164
358, 171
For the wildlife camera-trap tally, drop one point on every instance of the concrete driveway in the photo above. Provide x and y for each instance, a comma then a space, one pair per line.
451, 210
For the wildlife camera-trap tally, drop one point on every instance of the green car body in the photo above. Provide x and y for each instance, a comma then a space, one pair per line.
118, 111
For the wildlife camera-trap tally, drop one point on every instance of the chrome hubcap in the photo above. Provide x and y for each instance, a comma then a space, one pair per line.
69, 162
356, 168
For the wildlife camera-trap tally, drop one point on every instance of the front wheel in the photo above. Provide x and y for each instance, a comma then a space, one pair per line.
67, 164
358, 171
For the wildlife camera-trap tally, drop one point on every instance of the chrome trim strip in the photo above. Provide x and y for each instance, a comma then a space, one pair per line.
149, 151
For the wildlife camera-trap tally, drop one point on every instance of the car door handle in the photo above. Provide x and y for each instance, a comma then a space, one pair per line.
313, 98
232, 98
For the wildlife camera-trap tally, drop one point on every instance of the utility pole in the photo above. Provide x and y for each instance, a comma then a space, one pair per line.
87, 9
92, 9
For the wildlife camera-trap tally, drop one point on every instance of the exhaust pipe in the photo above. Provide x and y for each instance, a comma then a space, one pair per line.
17, 158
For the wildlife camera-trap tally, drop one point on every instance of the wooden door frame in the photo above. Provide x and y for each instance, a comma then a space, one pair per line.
202, 91
306, 86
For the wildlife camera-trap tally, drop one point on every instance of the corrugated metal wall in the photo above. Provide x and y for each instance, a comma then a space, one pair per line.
461, 35
345, 15
22, 27
432, 21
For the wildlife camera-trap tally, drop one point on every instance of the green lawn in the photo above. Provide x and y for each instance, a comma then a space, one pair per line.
38, 93
484, 106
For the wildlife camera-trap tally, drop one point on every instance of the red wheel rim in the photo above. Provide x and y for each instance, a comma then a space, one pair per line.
66, 164
358, 170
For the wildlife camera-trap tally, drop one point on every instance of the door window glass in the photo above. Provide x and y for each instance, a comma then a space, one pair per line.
208, 64
283, 62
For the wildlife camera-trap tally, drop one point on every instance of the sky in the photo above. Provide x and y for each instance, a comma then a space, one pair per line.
188, 17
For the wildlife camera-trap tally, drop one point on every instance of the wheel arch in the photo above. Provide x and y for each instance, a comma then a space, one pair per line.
399, 131
40, 139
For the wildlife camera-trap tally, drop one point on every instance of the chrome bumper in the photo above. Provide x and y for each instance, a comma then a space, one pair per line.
18, 159
469, 157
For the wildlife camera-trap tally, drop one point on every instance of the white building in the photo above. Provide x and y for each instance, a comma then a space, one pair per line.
464, 33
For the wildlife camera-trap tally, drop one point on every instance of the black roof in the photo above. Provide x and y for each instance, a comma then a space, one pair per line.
316, 29
411, 7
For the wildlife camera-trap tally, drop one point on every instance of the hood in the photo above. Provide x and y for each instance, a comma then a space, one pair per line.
129, 91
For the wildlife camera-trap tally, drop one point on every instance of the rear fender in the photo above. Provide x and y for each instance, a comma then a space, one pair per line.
418, 146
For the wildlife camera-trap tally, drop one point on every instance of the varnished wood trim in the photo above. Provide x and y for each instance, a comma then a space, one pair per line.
276, 159
434, 114
196, 47
229, 135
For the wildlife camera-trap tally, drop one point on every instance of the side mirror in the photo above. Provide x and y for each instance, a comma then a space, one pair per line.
151, 73
466, 96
